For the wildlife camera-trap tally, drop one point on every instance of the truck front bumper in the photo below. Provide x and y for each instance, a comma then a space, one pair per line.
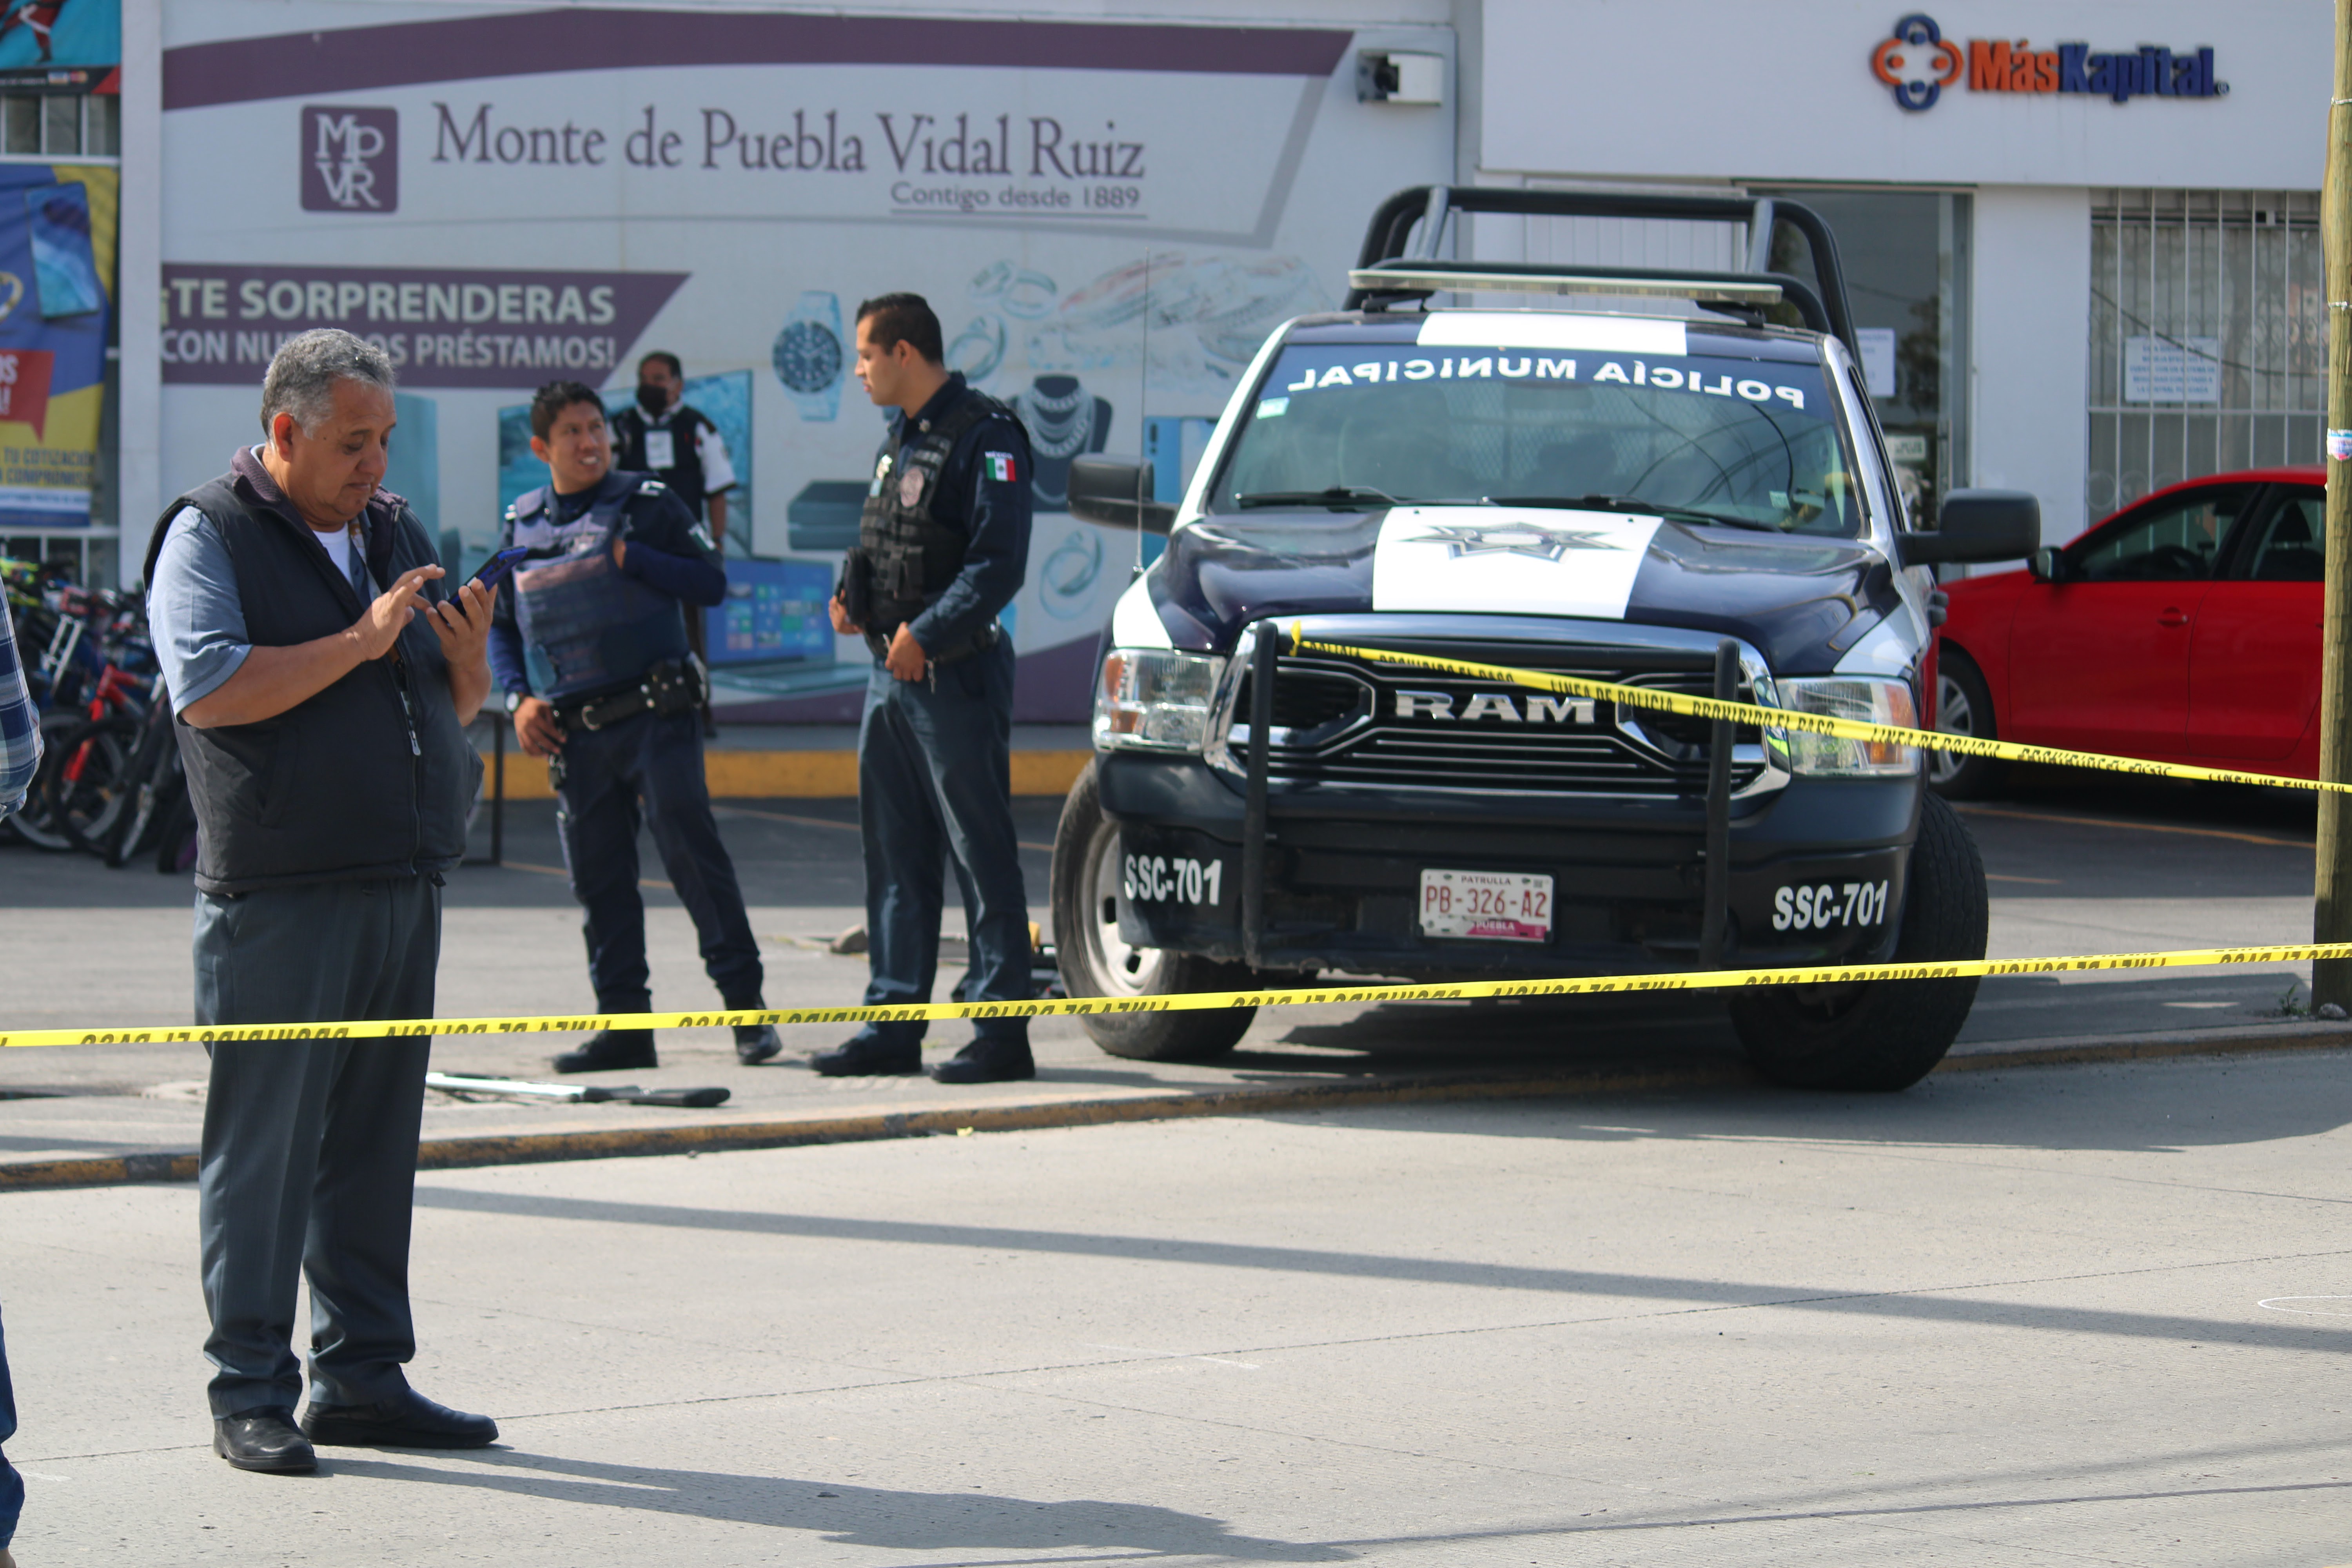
1817, 874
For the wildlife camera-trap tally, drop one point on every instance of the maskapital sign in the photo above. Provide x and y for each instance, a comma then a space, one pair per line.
1917, 63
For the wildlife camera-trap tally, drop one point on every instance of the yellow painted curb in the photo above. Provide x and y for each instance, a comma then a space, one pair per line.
808, 776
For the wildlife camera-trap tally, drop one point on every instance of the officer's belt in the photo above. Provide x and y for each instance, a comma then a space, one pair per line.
980, 641
645, 697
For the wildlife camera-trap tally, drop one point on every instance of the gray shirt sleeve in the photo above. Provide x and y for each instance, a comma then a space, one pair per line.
193, 611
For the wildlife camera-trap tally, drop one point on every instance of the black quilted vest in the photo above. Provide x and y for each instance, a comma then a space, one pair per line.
351, 784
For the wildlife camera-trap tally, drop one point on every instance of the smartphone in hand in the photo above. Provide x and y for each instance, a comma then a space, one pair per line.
495, 569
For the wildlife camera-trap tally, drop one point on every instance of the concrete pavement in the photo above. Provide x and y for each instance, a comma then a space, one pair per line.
2006, 1319
2123, 869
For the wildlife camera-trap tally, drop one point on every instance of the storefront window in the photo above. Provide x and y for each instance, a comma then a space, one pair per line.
2209, 337
1906, 259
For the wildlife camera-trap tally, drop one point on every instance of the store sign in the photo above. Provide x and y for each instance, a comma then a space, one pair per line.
442, 326
1917, 63
351, 159
2172, 370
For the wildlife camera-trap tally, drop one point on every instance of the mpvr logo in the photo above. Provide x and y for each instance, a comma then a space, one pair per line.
351, 159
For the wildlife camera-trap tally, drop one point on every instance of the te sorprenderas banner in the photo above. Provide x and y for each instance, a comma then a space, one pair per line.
56, 286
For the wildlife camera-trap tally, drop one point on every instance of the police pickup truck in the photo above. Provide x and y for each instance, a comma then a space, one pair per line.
1647, 477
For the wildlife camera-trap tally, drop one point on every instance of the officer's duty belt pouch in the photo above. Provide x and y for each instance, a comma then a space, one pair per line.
676, 688
857, 588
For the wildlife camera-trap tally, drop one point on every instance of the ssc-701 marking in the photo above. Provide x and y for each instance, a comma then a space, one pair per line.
1172, 878
1823, 905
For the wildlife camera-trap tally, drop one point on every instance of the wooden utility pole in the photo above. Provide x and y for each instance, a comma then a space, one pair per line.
2331, 980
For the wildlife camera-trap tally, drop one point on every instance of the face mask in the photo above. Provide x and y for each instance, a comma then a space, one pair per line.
652, 399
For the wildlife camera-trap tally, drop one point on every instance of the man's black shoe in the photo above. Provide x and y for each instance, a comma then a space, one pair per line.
986, 1064
755, 1042
610, 1050
868, 1059
264, 1439
409, 1420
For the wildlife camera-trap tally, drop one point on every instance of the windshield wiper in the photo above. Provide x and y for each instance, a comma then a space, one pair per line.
1636, 504
1335, 496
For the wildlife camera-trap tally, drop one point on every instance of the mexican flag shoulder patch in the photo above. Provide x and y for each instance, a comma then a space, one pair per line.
1000, 466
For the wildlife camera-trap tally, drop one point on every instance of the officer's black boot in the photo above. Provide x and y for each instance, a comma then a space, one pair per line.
608, 1050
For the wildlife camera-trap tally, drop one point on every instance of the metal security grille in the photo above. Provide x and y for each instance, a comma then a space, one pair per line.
2208, 336
1338, 722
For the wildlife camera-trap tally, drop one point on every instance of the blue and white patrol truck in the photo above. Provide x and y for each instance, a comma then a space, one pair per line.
1670, 479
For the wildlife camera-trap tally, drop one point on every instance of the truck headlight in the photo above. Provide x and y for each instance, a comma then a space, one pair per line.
1869, 699
1155, 700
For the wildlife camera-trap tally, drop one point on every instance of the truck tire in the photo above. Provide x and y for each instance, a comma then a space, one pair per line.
1094, 960
1882, 1034
1963, 706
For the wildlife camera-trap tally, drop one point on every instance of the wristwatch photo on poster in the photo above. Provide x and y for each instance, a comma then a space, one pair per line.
808, 357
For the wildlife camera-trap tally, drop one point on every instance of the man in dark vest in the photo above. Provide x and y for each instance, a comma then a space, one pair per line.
677, 444
323, 675
590, 649
941, 549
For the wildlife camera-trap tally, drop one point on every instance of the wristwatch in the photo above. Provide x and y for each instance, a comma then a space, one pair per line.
515, 700
808, 356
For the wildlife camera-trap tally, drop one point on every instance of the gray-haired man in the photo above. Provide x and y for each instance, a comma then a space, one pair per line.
322, 677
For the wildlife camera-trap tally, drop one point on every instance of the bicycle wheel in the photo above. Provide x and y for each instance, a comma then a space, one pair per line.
36, 824
156, 768
92, 785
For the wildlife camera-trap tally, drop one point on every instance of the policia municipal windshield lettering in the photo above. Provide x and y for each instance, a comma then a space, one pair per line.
1751, 442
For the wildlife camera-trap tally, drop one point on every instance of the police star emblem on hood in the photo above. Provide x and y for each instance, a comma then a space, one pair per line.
1537, 540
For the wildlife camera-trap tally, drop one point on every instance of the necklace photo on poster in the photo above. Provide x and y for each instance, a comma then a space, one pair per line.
1064, 420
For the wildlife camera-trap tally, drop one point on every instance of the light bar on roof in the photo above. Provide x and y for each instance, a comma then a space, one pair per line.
1704, 291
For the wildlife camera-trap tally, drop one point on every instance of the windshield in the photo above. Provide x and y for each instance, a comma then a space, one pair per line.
1748, 443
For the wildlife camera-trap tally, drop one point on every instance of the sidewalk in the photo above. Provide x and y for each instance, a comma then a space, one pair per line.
81, 1139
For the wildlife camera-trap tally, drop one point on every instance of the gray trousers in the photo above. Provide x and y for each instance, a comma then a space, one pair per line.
309, 1160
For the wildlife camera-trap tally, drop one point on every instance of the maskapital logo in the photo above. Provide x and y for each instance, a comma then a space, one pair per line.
351, 159
1919, 62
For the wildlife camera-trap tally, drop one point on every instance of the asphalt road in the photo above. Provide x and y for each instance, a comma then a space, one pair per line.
2052, 1316
2075, 867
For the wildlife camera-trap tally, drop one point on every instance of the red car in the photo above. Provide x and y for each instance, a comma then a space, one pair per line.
2184, 628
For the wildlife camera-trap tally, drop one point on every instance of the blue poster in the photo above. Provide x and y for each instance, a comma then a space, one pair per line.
57, 262
36, 33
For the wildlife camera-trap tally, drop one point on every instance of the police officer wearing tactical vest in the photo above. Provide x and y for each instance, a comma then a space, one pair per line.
321, 675
663, 435
941, 549
590, 649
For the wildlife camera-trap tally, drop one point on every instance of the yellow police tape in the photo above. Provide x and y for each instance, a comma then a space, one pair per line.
1571, 685
1815, 723
1468, 991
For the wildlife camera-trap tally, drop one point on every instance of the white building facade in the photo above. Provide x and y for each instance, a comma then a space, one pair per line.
2080, 236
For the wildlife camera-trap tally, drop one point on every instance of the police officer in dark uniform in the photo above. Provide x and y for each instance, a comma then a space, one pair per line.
676, 442
590, 649
943, 548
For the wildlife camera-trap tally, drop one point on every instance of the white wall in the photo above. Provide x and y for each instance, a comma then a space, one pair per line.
2029, 377
1635, 88
138, 285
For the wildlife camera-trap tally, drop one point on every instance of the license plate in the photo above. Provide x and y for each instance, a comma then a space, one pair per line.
1487, 906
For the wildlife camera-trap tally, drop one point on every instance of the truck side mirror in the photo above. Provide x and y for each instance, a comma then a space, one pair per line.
1979, 525
1118, 494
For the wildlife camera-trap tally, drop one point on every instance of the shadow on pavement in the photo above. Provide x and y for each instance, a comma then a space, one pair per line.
1697, 1294
854, 1515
